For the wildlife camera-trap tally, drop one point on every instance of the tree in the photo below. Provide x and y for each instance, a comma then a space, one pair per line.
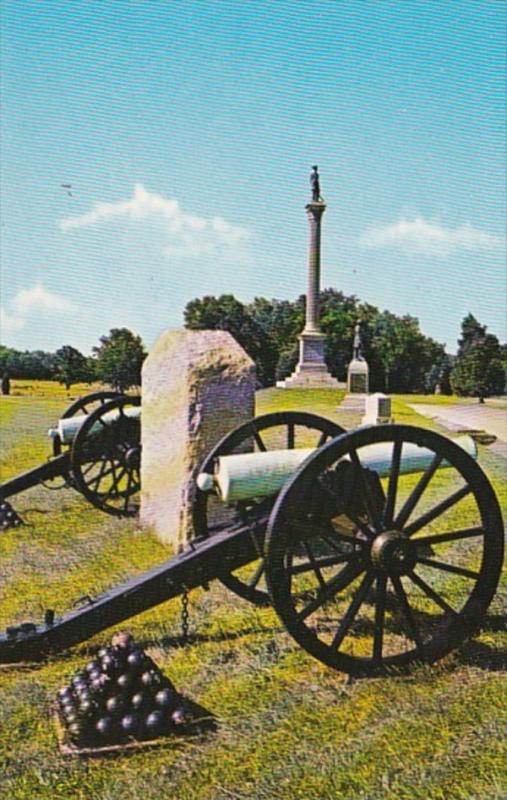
439, 375
479, 370
71, 366
119, 358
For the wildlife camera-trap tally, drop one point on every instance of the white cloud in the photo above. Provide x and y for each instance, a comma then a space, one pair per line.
419, 236
189, 234
27, 301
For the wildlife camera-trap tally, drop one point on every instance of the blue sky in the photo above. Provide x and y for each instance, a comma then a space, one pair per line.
188, 129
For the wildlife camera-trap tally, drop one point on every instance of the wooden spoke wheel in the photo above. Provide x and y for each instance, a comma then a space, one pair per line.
282, 430
418, 574
106, 457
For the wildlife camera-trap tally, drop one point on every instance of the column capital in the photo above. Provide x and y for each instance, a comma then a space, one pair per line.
317, 209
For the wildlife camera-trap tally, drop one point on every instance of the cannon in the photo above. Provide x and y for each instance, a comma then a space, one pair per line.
96, 450
381, 548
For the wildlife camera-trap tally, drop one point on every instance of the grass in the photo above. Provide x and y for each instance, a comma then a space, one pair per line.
288, 727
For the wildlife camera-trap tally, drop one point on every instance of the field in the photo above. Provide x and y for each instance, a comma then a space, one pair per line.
287, 727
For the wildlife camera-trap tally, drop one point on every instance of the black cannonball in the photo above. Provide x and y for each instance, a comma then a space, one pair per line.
94, 674
71, 716
130, 724
65, 691
104, 651
125, 681
135, 660
105, 727
179, 717
79, 677
92, 665
154, 722
115, 705
85, 706
139, 699
150, 679
166, 698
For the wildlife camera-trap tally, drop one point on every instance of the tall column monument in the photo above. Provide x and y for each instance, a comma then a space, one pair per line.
311, 371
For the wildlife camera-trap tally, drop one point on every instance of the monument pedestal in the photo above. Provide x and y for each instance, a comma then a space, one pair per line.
311, 370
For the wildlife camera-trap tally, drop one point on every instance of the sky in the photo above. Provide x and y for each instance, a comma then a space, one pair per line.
187, 131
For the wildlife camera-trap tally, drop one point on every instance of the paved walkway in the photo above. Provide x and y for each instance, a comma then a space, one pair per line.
474, 417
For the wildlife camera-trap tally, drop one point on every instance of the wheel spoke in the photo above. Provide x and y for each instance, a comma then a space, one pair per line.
291, 436
322, 563
407, 612
427, 589
258, 440
466, 533
94, 482
438, 510
115, 487
372, 512
466, 573
415, 496
323, 438
352, 610
393, 483
314, 565
252, 583
380, 608
332, 587
127, 492
344, 537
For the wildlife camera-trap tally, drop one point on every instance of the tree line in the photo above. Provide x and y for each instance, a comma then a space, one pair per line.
401, 358
116, 361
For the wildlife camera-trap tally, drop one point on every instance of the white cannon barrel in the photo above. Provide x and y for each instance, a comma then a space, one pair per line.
67, 429
249, 475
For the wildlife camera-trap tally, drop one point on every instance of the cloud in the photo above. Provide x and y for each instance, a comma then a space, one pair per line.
189, 233
27, 301
418, 236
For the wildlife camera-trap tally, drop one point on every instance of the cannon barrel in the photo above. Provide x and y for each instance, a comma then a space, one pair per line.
68, 428
248, 475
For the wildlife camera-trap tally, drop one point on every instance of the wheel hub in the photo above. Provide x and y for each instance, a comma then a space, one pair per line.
133, 458
393, 553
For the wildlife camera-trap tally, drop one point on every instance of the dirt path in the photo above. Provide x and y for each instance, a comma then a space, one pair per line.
479, 417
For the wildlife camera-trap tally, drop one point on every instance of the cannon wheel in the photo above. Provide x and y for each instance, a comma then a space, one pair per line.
284, 429
106, 463
424, 566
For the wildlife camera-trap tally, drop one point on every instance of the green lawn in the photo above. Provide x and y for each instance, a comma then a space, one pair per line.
287, 727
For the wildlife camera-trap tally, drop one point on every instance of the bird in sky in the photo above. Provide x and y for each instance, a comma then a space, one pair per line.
68, 187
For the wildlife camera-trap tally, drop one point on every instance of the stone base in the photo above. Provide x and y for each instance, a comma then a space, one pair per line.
311, 371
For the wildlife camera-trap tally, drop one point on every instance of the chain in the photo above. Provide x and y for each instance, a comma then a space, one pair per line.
184, 616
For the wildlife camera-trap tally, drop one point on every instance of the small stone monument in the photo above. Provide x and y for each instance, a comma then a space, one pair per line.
357, 372
197, 386
311, 370
378, 410
357, 376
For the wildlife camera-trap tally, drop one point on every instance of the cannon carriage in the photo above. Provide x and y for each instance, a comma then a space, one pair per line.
95, 450
377, 548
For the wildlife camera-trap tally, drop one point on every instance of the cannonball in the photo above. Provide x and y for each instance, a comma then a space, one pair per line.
115, 705
179, 717
154, 722
165, 698
104, 727
130, 724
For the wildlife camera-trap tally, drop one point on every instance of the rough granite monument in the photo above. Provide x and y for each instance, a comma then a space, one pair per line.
197, 386
311, 370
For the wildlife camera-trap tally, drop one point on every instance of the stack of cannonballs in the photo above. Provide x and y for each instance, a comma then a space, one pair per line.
120, 697
8, 517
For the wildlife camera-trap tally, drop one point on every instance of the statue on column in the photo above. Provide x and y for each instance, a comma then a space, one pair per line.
315, 184
357, 347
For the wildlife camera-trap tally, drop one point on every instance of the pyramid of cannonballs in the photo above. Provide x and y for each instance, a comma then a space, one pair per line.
119, 697
8, 517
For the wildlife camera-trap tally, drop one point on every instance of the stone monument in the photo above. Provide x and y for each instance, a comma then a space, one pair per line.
311, 371
357, 376
197, 386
